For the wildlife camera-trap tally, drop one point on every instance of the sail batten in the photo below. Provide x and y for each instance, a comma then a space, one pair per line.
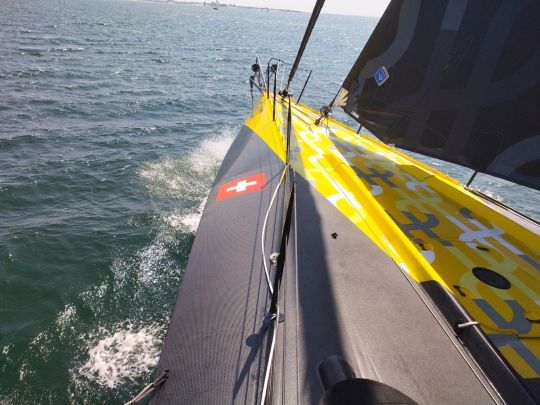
458, 80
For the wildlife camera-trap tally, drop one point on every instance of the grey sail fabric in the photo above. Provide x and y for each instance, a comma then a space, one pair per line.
457, 80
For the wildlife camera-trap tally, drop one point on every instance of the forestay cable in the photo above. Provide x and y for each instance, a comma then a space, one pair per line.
307, 34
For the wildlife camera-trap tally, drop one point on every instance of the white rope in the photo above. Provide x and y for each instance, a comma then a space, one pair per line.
467, 324
270, 358
263, 234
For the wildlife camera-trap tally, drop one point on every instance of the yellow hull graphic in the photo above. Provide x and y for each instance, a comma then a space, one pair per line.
431, 226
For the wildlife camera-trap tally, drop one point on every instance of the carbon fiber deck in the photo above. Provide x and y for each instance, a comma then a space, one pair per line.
214, 344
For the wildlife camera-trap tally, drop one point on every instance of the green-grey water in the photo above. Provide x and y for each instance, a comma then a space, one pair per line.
114, 118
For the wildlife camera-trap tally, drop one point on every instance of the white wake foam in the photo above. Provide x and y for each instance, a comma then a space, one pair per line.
210, 153
187, 221
188, 177
65, 317
121, 354
117, 354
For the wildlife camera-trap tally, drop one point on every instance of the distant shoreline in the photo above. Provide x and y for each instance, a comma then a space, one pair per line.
210, 4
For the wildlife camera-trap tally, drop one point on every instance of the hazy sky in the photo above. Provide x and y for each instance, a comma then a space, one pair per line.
354, 7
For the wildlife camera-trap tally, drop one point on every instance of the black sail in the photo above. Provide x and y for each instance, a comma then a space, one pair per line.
458, 80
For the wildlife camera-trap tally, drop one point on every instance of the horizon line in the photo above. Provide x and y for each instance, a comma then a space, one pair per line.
194, 2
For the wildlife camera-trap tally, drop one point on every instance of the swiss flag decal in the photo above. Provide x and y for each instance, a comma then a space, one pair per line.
245, 185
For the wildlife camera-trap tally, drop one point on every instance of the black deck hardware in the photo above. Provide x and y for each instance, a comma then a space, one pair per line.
268, 80
491, 278
149, 389
343, 388
471, 178
325, 112
289, 129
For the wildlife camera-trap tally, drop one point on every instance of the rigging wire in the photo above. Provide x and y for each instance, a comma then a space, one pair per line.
304, 87
313, 19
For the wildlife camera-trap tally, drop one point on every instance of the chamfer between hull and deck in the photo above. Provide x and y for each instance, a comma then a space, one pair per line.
378, 268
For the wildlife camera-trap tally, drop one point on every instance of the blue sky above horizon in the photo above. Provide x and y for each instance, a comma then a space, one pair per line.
358, 7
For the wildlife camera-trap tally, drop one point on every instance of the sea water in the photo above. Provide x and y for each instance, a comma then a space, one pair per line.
114, 118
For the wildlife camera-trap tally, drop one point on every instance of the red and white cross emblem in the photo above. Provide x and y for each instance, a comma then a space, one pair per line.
245, 185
